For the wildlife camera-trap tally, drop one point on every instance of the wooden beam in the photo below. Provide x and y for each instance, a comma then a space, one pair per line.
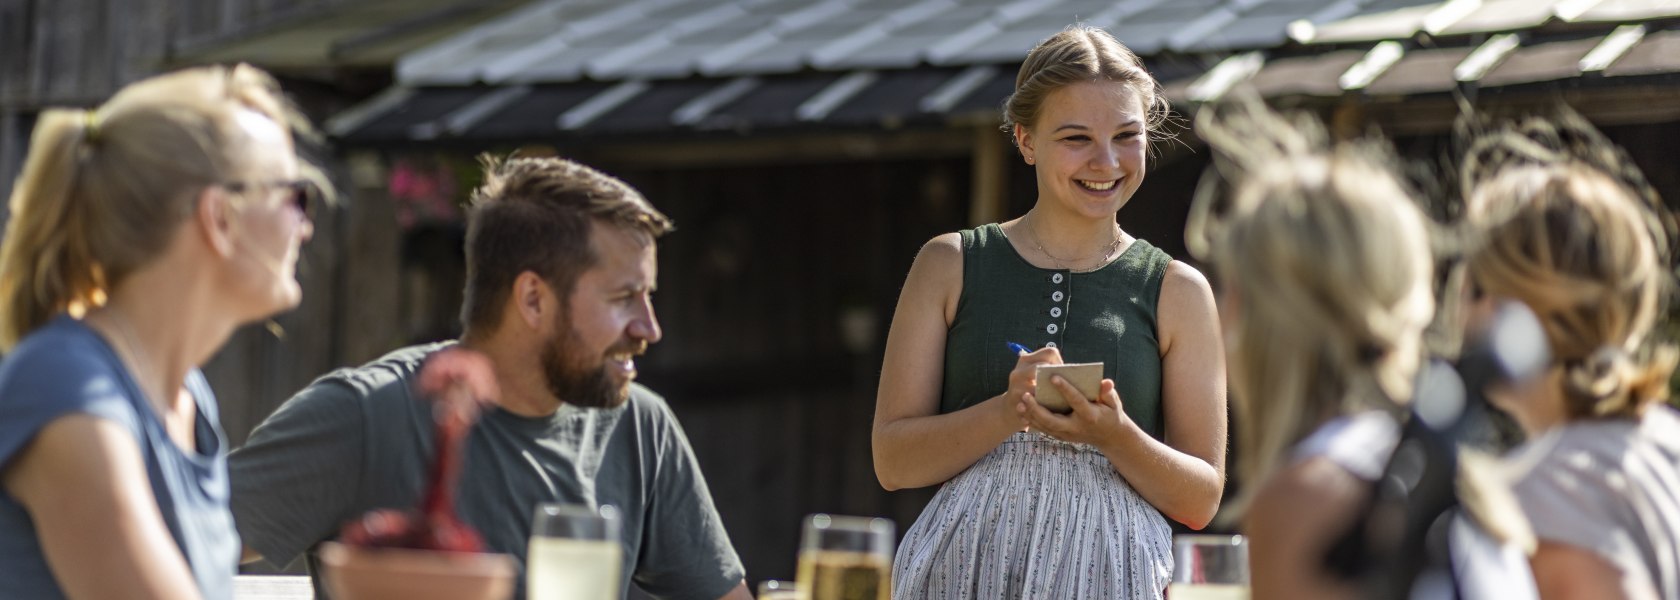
771, 150
990, 176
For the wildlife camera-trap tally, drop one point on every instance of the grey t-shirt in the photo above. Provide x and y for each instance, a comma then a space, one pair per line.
1611, 487
65, 368
359, 439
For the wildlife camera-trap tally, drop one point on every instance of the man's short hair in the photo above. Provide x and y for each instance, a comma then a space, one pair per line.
534, 214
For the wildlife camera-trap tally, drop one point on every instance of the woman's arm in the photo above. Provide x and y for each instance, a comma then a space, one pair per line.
1296, 516
1184, 475
84, 484
914, 445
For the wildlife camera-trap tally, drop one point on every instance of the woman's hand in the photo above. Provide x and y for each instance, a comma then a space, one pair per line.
1023, 379
1095, 421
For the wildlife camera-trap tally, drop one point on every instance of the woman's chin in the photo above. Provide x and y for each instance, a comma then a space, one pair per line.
287, 297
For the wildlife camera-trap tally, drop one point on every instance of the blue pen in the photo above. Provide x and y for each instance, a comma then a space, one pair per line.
1018, 349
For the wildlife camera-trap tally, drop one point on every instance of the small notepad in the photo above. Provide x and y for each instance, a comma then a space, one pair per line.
1085, 377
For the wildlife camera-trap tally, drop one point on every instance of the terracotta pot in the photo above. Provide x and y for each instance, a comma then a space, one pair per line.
354, 573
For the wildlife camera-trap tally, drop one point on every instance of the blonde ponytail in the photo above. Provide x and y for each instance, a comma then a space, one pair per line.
45, 264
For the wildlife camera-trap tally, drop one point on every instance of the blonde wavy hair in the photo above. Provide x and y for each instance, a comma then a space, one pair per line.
1588, 256
1327, 256
103, 190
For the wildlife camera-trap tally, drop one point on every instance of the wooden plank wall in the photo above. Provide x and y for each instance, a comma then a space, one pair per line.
78, 52
755, 284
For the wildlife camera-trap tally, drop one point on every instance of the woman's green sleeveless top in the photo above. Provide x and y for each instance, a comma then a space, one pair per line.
1106, 316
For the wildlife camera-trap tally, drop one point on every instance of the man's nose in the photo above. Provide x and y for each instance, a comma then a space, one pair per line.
645, 326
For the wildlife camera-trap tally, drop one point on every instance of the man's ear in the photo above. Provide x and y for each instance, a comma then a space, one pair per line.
213, 217
533, 298
1024, 143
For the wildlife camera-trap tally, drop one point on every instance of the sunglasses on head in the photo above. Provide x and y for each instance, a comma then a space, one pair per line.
302, 193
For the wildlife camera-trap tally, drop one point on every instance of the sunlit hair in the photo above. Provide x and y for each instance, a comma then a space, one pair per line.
103, 191
1082, 53
1586, 255
1327, 258
534, 214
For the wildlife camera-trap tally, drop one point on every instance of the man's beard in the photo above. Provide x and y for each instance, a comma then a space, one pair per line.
574, 381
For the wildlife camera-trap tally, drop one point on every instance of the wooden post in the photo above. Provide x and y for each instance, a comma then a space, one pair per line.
368, 295
990, 176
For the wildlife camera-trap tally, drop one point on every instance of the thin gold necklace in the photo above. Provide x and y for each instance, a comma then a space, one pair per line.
1032, 235
128, 347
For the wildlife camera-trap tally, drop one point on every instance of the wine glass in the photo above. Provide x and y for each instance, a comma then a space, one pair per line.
771, 589
575, 553
1209, 567
846, 558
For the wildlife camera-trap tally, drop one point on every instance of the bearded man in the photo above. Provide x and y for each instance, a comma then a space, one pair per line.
560, 275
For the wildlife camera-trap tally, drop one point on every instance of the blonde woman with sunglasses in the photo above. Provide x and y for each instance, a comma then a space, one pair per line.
143, 232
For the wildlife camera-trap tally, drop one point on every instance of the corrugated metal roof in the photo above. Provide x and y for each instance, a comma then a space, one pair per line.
370, 33
568, 40
587, 67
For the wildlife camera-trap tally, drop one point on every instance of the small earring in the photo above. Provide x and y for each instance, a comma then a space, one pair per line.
1029, 160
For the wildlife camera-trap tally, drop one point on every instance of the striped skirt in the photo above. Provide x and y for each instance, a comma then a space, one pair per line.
1036, 518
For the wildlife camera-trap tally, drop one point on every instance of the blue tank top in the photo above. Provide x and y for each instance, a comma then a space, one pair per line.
65, 368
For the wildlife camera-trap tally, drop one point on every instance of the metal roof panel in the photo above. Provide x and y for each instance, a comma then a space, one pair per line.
908, 46
1420, 72
424, 107
1618, 11
681, 56
653, 109
1541, 62
1306, 75
1657, 54
775, 102
1147, 32
792, 48
989, 96
1504, 15
535, 115
895, 95
1380, 20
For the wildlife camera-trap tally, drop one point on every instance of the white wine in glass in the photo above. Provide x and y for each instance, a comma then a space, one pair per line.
846, 558
574, 554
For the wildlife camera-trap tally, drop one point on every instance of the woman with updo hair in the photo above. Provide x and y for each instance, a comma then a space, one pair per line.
143, 232
1599, 476
1035, 504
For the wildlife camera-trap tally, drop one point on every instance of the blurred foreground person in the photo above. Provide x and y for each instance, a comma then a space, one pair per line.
143, 233
1324, 270
1599, 477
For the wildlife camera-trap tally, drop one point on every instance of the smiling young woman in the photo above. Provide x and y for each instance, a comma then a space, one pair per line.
1063, 506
